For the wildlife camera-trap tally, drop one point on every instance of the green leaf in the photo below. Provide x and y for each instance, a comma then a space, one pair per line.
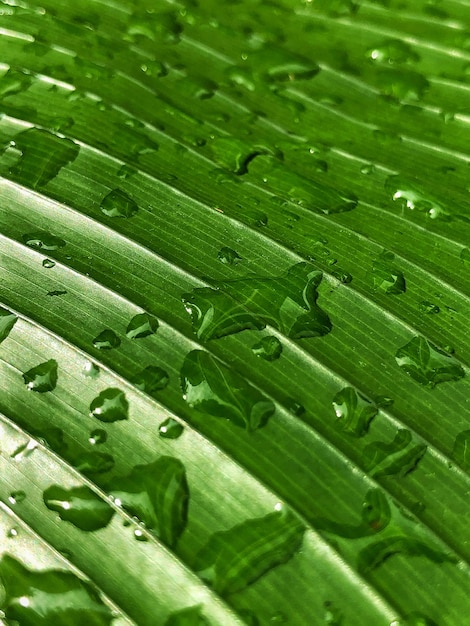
234, 251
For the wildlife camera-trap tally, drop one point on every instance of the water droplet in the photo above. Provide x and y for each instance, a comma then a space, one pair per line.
93, 462
126, 171
235, 558
396, 458
43, 241
110, 405
118, 204
386, 276
295, 407
12, 533
25, 450
49, 597
344, 277
368, 169
43, 155
193, 616
465, 255
461, 450
288, 302
428, 307
43, 377
80, 506
413, 198
307, 192
151, 379
353, 411
156, 494
214, 389
91, 370
57, 292
392, 52
228, 256
428, 364
170, 429
142, 325
332, 615
97, 436
7, 321
48, 263
269, 348
278, 618
403, 84
106, 340
16, 497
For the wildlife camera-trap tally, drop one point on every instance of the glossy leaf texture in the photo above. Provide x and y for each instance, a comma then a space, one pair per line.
234, 299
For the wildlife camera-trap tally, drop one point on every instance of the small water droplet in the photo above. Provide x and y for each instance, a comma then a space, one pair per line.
48, 263
465, 255
110, 405
118, 203
57, 292
43, 241
386, 276
97, 436
295, 407
269, 348
25, 450
228, 256
142, 325
12, 533
428, 307
43, 377
16, 497
392, 52
170, 429
368, 169
106, 340
91, 370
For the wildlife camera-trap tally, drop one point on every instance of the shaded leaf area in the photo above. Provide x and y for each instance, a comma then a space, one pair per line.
34, 598
288, 303
384, 530
157, 494
235, 558
428, 364
213, 388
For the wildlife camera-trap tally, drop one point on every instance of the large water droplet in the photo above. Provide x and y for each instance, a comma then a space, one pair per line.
289, 303
403, 84
48, 263
97, 436
428, 364
118, 204
214, 389
413, 198
43, 155
43, 377
80, 506
110, 405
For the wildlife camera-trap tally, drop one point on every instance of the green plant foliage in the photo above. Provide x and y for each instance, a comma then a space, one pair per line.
234, 300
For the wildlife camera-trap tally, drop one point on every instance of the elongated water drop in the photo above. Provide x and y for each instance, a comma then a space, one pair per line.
43, 377
118, 203
110, 405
